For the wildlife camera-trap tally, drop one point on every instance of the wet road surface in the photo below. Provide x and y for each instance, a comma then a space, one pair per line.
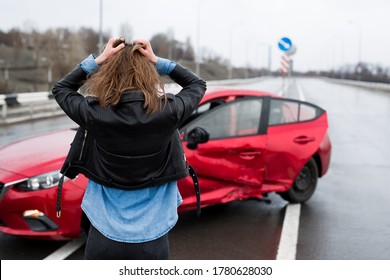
347, 218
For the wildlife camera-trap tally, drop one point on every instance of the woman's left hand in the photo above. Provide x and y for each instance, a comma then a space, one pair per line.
147, 50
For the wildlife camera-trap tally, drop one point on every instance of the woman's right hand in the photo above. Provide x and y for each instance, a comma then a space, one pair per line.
147, 50
110, 50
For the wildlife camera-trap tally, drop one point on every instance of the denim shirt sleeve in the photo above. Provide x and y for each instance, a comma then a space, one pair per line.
89, 64
163, 66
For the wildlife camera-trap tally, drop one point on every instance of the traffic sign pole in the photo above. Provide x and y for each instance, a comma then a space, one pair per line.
285, 44
288, 48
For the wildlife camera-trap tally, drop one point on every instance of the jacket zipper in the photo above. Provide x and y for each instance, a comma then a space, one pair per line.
83, 144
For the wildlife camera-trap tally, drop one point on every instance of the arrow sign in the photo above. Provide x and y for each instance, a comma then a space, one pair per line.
285, 44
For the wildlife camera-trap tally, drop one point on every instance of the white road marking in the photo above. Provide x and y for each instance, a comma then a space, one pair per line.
286, 251
289, 238
68, 249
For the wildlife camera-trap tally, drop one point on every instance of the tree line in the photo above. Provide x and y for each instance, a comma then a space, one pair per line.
29, 59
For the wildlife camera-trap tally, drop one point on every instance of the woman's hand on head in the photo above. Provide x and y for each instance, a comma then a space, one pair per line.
147, 50
110, 50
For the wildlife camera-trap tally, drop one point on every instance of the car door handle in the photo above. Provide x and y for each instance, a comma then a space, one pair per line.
249, 155
303, 139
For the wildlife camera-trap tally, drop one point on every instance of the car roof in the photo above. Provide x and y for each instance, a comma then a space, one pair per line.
229, 92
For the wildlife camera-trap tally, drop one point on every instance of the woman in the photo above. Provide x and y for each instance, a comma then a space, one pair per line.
128, 146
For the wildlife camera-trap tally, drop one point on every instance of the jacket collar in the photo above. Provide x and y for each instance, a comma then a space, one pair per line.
130, 96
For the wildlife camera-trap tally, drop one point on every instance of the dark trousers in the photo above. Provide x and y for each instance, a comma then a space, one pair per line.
99, 247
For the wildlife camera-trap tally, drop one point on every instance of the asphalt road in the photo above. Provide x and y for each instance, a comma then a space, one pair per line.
346, 219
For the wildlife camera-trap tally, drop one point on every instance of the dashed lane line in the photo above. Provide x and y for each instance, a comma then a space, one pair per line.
68, 249
286, 251
289, 239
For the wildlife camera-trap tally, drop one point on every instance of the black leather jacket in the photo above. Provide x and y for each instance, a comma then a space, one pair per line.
122, 147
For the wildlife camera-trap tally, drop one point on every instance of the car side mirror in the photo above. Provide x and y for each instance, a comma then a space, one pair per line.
197, 136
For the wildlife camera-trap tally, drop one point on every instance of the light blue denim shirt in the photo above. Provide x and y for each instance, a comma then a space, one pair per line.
132, 216
163, 66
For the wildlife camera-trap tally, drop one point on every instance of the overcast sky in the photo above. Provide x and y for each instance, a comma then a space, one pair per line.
326, 33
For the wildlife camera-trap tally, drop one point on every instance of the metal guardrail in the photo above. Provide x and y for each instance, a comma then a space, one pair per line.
19, 107
368, 85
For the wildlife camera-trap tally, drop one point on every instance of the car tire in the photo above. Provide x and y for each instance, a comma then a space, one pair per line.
304, 185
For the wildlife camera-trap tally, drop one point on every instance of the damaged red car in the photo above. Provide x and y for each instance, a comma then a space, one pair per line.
243, 144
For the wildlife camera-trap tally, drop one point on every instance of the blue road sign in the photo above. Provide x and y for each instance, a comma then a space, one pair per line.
285, 44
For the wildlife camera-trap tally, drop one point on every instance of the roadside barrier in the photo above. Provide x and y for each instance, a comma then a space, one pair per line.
368, 85
18, 107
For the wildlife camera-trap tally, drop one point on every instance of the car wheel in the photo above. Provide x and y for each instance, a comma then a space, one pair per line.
304, 185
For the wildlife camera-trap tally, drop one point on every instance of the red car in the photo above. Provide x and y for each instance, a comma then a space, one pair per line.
243, 144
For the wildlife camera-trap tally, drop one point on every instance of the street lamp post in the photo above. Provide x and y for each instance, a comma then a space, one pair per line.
359, 68
197, 54
230, 67
49, 72
6, 70
341, 44
261, 45
100, 44
269, 49
49, 76
359, 27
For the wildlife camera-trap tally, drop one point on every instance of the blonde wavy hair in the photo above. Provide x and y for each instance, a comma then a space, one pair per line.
127, 71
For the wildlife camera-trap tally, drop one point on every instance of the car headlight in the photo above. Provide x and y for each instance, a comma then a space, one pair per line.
43, 181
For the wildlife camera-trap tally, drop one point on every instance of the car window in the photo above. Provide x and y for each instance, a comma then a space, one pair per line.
307, 112
238, 118
291, 111
210, 105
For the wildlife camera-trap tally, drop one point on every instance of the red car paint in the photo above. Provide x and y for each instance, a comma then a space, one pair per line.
252, 160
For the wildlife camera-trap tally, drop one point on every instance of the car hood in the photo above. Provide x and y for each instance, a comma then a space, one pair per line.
35, 155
